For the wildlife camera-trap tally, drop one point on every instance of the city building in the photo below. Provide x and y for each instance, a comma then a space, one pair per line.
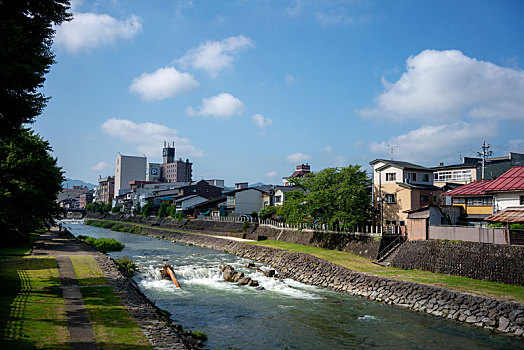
128, 168
172, 170
245, 200
153, 172
106, 189
85, 198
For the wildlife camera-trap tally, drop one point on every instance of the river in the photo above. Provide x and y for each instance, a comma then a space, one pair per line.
286, 314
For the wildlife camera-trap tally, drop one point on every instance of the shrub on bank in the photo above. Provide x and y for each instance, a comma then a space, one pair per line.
128, 266
104, 245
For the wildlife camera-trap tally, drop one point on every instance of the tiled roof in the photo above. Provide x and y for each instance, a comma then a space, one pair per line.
399, 164
508, 215
473, 188
511, 180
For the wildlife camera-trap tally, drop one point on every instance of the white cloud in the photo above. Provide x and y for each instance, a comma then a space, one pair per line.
271, 174
447, 85
431, 144
101, 166
163, 83
148, 137
328, 149
517, 145
290, 79
298, 157
89, 30
213, 56
260, 121
222, 105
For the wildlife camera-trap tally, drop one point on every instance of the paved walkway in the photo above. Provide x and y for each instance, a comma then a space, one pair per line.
62, 246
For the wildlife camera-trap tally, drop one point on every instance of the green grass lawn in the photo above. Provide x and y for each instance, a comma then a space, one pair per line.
32, 313
21, 249
87, 271
360, 264
113, 324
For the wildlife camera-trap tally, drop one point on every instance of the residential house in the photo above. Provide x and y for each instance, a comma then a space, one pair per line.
279, 193
245, 200
399, 186
214, 208
471, 169
85, 198
508, 189
475, 203
300, 171
106, 189
188, 202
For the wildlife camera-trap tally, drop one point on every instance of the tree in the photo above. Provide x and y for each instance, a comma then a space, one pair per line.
164, 209
29, 182
29, 177
25, 57
147, 210
267, 212
330, 196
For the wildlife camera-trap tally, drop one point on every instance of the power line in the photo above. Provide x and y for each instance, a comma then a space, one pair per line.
485, 153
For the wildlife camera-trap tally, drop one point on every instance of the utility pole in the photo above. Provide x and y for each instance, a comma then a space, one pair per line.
391, 150
485, 153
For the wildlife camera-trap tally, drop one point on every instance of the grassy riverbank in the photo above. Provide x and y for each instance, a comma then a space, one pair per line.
360, 264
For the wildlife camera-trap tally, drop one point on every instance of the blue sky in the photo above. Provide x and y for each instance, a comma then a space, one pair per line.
248, 89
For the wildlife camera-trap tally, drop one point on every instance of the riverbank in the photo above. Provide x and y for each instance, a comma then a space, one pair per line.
489, 313
84, 279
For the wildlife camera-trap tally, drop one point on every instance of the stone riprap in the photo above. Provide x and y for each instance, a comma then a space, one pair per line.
495, 315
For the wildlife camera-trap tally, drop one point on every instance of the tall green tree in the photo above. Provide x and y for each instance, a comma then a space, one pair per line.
29, 182
29, 176
330, 196
26, 28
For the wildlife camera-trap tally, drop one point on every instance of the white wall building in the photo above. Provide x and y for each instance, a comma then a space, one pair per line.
245, 201
128, 168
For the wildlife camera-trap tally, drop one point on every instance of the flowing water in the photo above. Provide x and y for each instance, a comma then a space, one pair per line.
286, 314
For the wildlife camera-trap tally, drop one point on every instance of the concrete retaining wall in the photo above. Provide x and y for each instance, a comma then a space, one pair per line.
469, 234
492, 314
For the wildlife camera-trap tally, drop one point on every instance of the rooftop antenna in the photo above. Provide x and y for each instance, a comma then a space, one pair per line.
391, 150
164, 144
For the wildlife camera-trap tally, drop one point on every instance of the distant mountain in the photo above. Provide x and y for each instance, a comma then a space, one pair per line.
69, 183
258, 184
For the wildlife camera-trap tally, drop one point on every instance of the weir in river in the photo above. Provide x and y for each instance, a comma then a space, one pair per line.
286, 313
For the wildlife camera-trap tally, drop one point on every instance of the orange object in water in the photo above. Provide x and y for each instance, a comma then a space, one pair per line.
171, 273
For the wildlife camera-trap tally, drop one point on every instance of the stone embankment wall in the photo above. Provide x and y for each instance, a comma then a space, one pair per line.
489, 313
485, 261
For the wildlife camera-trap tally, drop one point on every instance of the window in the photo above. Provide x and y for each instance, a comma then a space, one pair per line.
521, 200
402, 223
425, 178
278, 199
391, 176
390, 198
459, 200
478, 201
413, 176
423, 198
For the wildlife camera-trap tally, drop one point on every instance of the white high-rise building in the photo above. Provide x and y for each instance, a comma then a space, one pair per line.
128, 168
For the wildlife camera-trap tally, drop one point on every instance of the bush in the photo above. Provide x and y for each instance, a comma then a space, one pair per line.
126, 228
103, 245
128, 266
496, 224
245, 226
516, 226
267, 212
115, 210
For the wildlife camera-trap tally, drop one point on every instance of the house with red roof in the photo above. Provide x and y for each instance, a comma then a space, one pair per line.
508, 189
475, 203
300, 171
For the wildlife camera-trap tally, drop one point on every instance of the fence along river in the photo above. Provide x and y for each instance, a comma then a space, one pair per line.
286, 314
